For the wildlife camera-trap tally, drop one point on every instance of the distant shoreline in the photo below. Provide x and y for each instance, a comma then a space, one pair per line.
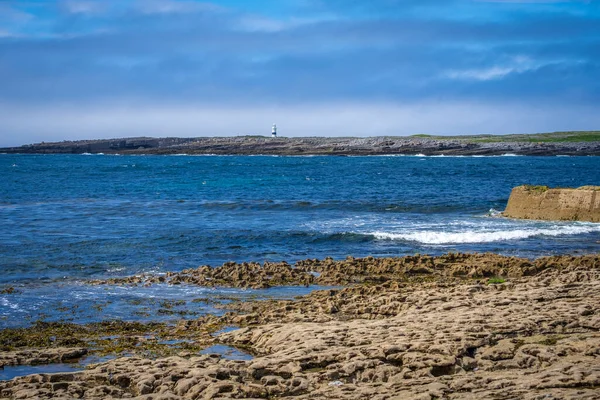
550, 144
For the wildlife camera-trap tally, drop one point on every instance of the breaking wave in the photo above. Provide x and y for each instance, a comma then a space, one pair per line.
473, 236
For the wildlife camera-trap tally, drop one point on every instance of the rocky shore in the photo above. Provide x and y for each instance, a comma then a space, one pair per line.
255, 145
459, 326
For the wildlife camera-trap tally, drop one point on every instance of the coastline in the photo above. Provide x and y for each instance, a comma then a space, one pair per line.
340, 146
453, 326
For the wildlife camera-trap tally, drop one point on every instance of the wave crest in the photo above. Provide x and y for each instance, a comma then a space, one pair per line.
432, 237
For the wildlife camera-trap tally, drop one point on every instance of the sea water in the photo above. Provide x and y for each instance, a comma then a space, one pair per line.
65, 219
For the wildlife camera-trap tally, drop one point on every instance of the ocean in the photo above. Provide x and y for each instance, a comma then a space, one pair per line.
65, 219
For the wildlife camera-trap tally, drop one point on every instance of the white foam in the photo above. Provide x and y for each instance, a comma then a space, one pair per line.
494, 213
473, 236
6, 303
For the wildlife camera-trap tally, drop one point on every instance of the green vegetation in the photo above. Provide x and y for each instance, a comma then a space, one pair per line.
550, 341
552, 137
495, 280
536, 188
518, 343
41, 335
113, 337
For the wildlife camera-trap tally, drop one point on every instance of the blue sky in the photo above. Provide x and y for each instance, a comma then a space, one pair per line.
73, 69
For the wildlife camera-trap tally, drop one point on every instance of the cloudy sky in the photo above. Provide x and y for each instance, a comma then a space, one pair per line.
73, 69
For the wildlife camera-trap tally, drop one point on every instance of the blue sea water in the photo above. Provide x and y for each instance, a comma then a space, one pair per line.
68, 218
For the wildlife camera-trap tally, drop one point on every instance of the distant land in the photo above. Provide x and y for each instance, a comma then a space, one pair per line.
543, 144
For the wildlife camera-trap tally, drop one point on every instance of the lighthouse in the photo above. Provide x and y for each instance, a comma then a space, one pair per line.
274, 131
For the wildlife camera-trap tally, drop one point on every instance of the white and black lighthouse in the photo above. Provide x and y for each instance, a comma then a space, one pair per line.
274, 131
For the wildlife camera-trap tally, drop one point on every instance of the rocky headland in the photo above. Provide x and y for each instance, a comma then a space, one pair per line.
458, 326
541, 202
260, 145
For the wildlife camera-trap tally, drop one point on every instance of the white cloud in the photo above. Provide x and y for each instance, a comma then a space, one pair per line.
518, 64
485, 74
533, 1
175, 6
9, 13
84, 7
257, 23
7, 34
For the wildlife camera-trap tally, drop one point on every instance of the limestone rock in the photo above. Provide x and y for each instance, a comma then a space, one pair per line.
449, 337
541, 202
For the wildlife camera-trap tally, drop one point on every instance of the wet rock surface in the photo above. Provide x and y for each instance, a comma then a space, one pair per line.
245, 275
533, 334
56, 342
41, 356
371, 270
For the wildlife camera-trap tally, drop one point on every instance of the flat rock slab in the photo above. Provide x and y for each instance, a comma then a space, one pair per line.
543, 203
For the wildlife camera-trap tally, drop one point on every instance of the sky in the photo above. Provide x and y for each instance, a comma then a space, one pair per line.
82, 69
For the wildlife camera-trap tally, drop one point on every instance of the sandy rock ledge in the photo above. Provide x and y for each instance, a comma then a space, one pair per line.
541, 202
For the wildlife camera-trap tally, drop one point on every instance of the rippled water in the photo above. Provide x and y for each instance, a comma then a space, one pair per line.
64, 218
12, 371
